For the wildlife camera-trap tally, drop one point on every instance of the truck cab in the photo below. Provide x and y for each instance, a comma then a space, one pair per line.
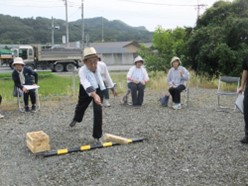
26, 52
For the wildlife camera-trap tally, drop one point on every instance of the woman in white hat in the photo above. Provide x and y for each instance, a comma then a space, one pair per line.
91, 87
24, 76
177, 77
137, 77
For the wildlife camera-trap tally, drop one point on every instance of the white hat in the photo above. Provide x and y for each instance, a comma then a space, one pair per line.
175, 59
138, 58
18, 60
89, 53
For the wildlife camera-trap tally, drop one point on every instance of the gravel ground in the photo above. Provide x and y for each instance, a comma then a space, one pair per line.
194, 146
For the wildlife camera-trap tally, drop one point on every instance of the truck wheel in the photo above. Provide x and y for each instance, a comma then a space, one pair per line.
59, 67
70, 67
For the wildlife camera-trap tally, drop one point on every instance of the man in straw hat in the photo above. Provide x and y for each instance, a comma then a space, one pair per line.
177, 77
137, 77
91, 86
25, 76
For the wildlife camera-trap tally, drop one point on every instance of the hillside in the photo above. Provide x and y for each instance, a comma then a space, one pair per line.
15, 30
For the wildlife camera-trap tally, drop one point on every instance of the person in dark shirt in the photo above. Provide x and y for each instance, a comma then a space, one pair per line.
244, 87
25, 76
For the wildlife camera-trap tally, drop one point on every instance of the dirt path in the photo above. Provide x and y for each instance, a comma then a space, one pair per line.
194, 146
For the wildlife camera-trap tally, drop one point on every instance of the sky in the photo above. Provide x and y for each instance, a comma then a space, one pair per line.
148, 13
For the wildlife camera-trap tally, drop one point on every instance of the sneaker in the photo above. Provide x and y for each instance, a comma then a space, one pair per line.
98, 141
33, 109
244, 140
26, 109
73, 123
106, 103
177, 106
1, 116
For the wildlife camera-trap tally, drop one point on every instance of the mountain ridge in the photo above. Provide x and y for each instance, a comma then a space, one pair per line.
16, 30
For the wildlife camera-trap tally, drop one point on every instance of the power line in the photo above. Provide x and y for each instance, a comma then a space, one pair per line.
157, 4
34, 6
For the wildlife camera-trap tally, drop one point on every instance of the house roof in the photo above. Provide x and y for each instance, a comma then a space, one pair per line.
113, 47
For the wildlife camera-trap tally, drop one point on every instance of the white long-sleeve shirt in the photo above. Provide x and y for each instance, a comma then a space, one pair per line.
90, 80
174, 78
103, 70
137, 74
93, 80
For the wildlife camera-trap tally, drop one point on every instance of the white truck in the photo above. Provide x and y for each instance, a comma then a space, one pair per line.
57, 59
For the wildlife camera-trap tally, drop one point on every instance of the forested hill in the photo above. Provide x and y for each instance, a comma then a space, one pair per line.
15, 30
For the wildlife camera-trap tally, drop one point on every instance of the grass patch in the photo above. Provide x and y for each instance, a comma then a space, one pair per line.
55, 85
50, 85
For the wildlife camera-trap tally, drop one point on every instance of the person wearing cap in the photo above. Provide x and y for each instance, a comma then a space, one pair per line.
91, 87
21, 76
244, 88
177, 77
137, 77
102, 68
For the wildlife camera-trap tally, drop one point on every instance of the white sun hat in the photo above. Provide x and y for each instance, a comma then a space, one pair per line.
138, 58
18, 60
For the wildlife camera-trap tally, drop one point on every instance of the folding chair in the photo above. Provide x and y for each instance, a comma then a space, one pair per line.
186, 96
124, 99
20, 100
227, 86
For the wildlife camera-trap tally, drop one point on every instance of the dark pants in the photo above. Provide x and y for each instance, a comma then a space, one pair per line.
83, 102
32, 95
105, 92
175, 93
137, 92
246, 111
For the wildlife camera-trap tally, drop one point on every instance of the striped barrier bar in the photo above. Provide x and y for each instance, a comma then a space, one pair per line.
87, 148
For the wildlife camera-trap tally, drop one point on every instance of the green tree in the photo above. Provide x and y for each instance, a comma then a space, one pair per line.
218, 43
166, 44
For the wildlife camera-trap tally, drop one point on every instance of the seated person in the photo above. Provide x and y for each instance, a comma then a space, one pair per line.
24, 76
177, 77
137, 77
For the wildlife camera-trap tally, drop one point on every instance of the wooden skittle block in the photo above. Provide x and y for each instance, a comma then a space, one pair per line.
114, 138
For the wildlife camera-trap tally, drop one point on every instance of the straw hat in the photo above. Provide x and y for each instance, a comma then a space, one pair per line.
138, 58
175, 59
89, 52
18, 60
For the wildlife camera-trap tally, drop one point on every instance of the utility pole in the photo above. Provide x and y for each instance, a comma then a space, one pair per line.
102, 31
67, 25
82, 17
52, 27
198, 7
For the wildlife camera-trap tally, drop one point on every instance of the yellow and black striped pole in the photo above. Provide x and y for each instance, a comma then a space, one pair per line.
87, 148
